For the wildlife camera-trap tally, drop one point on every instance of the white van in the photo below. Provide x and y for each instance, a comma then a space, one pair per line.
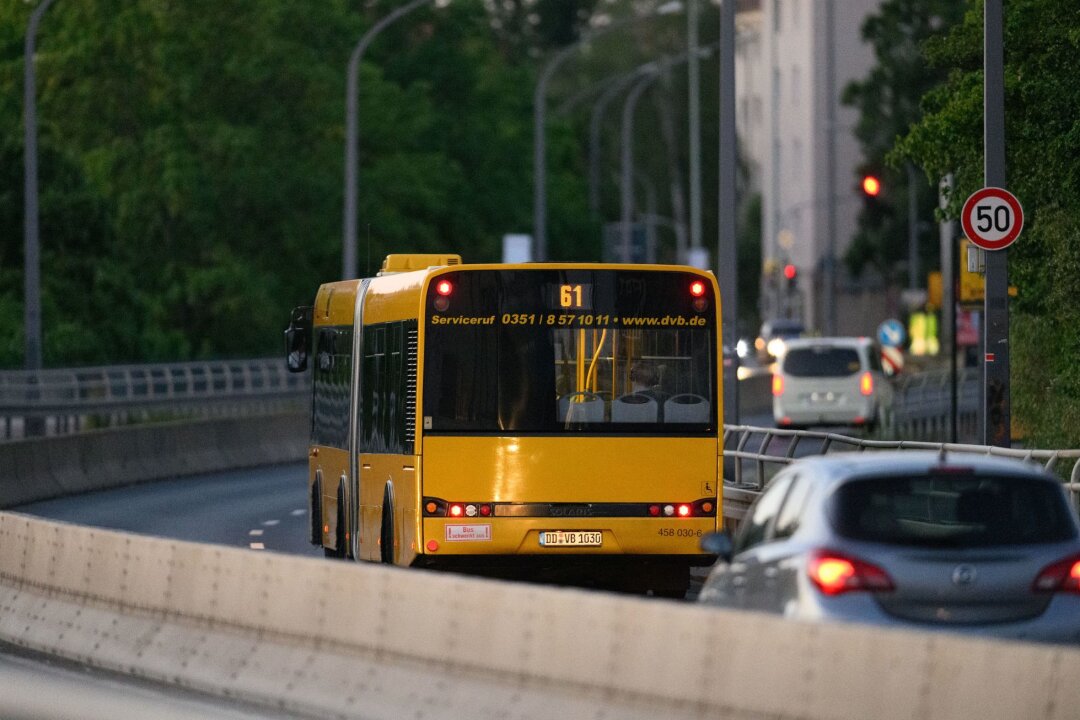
830, 381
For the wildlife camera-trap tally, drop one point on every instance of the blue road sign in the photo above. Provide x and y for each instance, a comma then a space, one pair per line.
891, 333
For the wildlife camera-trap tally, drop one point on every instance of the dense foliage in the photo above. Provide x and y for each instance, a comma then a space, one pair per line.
888, 101
191, 160
1042, 105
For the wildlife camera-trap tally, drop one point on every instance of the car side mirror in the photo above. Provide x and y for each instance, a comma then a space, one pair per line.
718, 544
298, 339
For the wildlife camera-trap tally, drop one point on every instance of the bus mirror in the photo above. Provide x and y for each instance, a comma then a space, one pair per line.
298, 339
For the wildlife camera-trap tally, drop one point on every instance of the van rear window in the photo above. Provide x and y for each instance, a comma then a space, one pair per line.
821, 361
965, 510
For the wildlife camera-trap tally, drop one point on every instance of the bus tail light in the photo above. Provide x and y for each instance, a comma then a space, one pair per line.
444, 287
436, 507
835, 574
777, 385
1062, 576
866, 384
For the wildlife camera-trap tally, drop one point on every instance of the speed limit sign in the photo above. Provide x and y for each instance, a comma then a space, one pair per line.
992, 218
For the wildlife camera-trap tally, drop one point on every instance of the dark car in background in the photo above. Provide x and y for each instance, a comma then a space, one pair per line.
962, 543
773, 335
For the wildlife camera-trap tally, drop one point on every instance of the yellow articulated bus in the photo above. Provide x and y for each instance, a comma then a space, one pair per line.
549, 421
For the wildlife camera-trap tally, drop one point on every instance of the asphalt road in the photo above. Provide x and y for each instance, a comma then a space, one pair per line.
261, 509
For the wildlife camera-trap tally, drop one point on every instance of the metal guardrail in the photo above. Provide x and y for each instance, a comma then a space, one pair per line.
61, 401
753, 455
921, 402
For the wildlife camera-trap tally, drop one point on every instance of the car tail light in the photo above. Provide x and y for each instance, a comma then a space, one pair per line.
1062, 576
834, 574
777, 385
866, 384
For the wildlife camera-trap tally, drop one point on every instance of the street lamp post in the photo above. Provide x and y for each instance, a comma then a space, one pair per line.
627, 204
31, 240
540, 244
352, 133
595, 126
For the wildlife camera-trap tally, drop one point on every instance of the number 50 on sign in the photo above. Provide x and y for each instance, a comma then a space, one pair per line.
992, 218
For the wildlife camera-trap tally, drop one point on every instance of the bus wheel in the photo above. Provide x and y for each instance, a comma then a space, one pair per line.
386, 536
339, 533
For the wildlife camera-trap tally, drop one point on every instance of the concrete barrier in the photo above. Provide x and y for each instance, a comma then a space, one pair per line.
333, 639
43, 468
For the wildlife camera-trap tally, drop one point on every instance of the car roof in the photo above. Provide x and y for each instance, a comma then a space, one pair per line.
806, 342
844, 465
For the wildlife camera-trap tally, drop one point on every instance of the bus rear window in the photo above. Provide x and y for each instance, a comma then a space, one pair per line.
569, 351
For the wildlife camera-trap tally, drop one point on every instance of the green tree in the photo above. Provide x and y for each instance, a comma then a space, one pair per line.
1042, 104
888, 102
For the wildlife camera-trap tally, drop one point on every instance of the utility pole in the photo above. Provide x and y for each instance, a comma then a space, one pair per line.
996, 411
32, 359
693, 79
727, 256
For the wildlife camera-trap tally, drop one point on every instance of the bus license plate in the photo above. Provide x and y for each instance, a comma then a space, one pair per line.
571, 538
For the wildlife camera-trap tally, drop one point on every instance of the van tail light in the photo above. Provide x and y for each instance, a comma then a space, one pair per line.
777, 385
834, 574
1062, 576
866, 384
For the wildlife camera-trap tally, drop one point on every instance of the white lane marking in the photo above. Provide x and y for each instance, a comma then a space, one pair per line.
270, 523
255, 533
257, 546
298, 513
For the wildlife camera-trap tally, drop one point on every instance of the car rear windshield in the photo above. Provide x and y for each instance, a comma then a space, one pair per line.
962, 510
821, 361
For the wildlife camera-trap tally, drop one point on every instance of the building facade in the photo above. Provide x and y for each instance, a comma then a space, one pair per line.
793, 60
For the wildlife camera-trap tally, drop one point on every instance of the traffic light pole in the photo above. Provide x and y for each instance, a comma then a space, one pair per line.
995, 417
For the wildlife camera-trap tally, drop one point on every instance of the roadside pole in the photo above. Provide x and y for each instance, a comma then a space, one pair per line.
996, 407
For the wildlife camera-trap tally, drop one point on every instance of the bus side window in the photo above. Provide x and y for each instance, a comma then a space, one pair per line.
386, 388
332, 381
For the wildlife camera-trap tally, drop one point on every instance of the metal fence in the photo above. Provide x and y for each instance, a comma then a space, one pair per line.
70, 400
921, 405
753, 455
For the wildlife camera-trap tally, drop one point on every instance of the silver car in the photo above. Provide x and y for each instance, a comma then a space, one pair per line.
964, 543
830, 381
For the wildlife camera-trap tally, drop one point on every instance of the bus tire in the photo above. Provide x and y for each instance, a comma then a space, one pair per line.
386, 534
338, 551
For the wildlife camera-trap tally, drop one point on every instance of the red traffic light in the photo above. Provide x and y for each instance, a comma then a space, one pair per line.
790, 271
871, 186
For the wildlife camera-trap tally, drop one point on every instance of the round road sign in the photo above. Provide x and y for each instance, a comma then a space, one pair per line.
992, 218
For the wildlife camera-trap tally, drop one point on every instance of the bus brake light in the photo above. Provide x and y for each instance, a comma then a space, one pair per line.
444, 287
456, 510
697, 288
684, 511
